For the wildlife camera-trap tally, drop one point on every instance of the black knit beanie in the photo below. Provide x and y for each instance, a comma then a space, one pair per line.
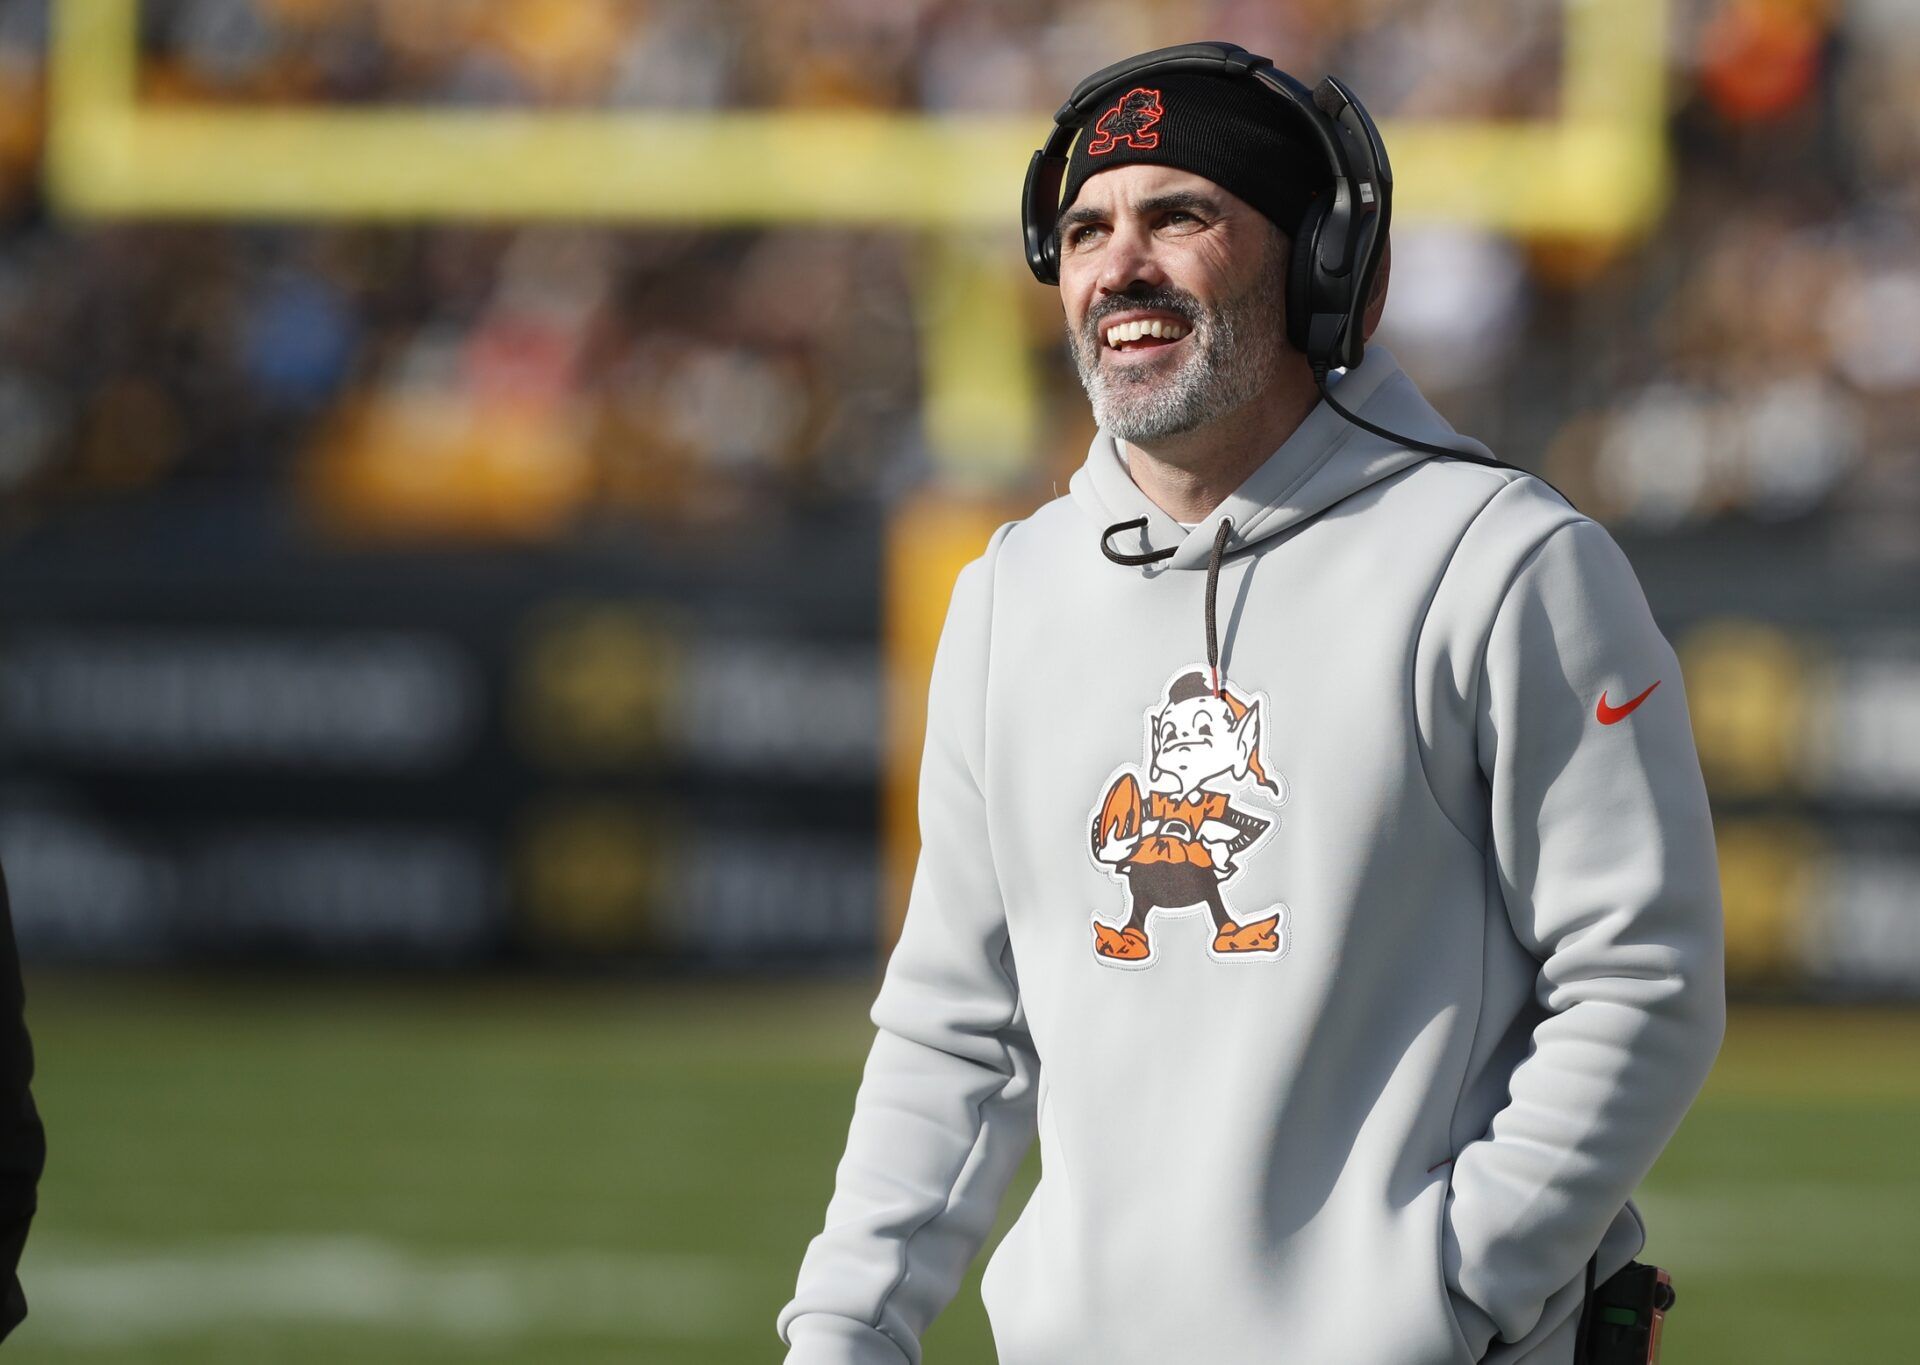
1231, 130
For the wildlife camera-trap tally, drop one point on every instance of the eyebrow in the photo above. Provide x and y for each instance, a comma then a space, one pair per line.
1160, 203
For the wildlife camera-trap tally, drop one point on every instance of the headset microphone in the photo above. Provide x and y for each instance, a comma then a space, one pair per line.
1340, 243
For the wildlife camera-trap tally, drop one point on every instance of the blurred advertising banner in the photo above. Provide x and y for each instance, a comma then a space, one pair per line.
1811, 746
696, 754
1803, 682
437, 758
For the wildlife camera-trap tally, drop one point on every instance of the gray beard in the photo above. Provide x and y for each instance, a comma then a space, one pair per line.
1234, 350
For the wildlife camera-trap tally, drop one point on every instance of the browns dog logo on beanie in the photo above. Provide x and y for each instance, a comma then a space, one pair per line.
1236, 133
1128, 122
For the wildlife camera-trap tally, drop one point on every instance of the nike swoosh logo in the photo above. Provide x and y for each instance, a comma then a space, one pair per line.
1613, 715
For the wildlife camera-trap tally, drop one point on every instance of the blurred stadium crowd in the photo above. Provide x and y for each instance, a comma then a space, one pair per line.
1755, 359
230, 729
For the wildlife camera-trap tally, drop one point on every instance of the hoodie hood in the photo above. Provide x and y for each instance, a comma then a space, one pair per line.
1325, 460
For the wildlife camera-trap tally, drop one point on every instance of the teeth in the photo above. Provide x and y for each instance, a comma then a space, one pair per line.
1148, 327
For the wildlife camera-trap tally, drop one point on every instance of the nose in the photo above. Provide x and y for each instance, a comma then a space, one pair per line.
1129, 260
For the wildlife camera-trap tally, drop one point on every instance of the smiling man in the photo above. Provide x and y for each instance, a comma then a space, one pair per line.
1191, 381
1351, 973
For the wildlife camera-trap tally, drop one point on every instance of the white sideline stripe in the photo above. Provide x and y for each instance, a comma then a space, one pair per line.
93, 1292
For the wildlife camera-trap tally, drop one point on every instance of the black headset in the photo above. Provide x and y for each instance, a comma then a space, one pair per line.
1338, 246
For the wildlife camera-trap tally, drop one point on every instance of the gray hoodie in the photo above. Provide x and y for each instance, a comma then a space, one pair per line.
1351, 972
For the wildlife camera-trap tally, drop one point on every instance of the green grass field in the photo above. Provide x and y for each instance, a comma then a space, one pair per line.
283, 1172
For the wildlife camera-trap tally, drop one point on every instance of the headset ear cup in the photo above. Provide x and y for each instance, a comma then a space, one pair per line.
1306, 247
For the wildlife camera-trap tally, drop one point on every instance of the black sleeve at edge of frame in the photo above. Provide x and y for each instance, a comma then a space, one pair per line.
23, 1143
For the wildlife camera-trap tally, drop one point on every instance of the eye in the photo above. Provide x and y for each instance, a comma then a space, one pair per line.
1166, 735
1078, 235
1204, 729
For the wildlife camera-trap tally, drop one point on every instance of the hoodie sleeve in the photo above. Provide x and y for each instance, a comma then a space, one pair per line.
1603, 848
945, 1109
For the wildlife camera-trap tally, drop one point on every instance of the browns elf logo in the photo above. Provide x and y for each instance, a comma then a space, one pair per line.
1129, 123
1173, 834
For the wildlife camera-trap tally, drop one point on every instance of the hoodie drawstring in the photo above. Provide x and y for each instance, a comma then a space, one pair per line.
1213, 578
1137, 524
1155, 556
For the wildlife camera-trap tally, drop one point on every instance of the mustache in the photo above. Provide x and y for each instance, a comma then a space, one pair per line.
1163, 300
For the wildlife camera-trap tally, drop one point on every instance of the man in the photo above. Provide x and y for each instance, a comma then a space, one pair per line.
1353, 973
